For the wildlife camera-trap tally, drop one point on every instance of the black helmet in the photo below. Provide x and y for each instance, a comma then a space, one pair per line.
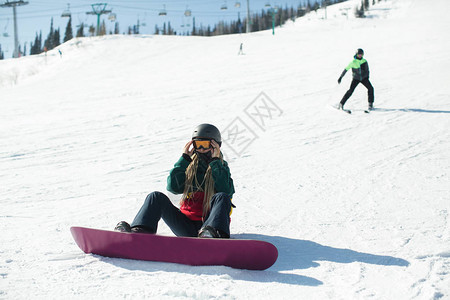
360, 51
207, 131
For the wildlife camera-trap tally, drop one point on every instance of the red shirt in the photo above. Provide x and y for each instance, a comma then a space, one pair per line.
193, 206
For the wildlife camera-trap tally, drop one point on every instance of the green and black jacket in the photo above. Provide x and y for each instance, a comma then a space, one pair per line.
360, 69
220, 173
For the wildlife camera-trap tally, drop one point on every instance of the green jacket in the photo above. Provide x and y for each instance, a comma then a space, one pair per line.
360, 68
220, 173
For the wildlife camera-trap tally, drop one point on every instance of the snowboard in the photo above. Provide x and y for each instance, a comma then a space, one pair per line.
235, 253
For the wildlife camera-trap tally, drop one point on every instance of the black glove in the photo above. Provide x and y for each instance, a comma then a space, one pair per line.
342, 75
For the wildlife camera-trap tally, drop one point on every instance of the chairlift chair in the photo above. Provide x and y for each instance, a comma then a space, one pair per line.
224, 6
187, 12
66, 13
267, 4
5, 30
112, 17
237, 4
163, 12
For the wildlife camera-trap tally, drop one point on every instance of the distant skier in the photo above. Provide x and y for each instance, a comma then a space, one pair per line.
360, 69
241, 52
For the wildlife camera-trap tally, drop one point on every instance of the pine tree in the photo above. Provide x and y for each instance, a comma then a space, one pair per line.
56, 39
170, 30
308, 7
92, 30
116, 28
262, 21
69, 33
194, 30
316, 6
2, 56
102, 30
80, 31
292, 14
48, 44
36, 48
34, 45
359, 11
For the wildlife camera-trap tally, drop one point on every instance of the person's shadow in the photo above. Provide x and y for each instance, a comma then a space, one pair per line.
302, 254
292, 254
416, 110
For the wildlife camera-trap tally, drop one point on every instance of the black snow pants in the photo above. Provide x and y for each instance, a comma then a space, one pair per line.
354, 84
157, 206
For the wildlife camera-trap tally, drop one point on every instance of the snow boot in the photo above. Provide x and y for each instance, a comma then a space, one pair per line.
123, 226
370, 106
140, 229
210, 232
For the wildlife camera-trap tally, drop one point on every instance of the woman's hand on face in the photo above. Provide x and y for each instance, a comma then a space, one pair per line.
189, 148
215, 149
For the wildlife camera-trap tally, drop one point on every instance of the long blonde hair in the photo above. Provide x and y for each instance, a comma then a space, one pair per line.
191, 184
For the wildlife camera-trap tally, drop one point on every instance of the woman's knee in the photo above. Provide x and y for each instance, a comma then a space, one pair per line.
156, 198
221, 197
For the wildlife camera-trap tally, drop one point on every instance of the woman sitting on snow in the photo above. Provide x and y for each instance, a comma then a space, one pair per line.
203, 178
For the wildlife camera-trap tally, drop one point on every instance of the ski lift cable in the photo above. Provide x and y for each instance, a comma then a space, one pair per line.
175, 11
57, 13
47, 12
55, 10
6, 26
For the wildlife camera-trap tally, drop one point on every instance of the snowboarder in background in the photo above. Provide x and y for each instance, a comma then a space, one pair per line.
204, 180
360, 68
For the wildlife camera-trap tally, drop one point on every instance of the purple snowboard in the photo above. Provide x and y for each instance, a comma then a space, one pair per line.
240, 254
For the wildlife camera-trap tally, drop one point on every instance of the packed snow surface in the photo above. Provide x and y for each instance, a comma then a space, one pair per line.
357, 205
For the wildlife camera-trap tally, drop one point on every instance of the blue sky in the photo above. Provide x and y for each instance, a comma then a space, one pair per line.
36, 16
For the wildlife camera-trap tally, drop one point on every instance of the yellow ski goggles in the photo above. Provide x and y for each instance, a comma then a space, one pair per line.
205, 144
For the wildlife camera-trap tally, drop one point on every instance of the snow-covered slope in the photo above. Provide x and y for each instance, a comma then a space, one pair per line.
358, 205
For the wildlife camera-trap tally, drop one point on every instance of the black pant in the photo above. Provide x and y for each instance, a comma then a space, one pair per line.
157, 206
355, 83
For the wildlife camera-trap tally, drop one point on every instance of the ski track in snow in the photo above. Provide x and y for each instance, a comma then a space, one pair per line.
357, 205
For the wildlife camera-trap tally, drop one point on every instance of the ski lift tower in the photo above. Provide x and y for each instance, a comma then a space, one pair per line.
248, 17
273, 11
98, 9
13, 4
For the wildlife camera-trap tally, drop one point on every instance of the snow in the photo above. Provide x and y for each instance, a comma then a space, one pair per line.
357, 205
